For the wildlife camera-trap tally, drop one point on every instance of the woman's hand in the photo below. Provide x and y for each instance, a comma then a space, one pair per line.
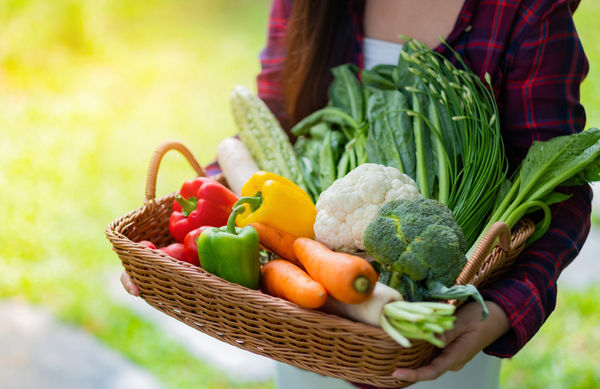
129, 285
469, 336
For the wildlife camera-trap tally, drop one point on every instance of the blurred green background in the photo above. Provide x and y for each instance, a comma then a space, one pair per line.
88, 89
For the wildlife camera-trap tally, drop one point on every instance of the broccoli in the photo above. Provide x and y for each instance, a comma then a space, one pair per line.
420, 250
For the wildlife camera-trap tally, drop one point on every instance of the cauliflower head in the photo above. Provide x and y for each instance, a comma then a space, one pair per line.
352, 202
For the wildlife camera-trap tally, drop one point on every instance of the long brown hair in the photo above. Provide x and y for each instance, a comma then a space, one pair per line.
317, 40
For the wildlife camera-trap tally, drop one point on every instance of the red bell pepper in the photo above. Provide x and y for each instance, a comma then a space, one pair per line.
200, 202
175, 250
190, 245
148, 244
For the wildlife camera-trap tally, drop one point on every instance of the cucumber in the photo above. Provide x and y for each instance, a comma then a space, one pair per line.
263, 136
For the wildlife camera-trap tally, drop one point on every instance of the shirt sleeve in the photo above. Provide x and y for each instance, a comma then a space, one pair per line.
272, 60
540, 100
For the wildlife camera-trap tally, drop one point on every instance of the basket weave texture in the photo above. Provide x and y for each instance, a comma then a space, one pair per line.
251, 320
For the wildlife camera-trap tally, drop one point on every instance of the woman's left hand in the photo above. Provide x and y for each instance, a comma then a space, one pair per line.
129, 285
469, 336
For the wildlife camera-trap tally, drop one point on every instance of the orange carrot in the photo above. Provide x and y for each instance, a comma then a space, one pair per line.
278, 241
283, 279
348, 278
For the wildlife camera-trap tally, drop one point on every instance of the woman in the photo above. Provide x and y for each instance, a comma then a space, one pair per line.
536, 62
532, 52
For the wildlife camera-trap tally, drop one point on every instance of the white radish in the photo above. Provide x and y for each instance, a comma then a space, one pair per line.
369, 311
236, 163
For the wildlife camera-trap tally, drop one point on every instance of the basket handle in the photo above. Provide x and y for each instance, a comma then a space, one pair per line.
155, 163
498, 230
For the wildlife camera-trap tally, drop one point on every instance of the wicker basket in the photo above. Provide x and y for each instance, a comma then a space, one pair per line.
269, 326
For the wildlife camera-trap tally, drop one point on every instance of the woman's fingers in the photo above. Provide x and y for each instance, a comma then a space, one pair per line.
129, 285
469, 336
436, 368
453, 357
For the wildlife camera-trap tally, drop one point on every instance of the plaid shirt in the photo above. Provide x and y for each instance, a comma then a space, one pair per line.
534, 56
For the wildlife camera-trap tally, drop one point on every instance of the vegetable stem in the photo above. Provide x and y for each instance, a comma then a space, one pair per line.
362, 284
420, 148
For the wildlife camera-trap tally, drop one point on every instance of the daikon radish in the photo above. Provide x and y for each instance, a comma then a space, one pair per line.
236, 163
369, 311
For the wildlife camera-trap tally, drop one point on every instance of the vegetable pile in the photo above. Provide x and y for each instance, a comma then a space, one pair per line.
432, 121
373, 212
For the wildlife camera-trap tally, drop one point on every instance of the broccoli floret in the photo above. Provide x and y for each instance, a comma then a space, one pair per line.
390, 240
437, 251
416, 236
419, 245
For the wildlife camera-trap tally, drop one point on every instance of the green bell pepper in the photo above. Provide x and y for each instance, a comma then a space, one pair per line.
230, 252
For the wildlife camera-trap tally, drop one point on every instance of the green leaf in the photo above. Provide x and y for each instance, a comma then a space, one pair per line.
390, 140
345, 91
425, 159
554, 197
310, 177
458, 292
378, 78
563, 159
330, 115
502, 192
327, 165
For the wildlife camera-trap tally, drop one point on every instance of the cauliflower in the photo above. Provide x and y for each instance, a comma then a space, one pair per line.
352, 202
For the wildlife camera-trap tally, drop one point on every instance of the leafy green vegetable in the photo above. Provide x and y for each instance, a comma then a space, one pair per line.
328, 170
346, 93
317, 154
345, 119
464, 148
425, 174
564, 160
424, 116
390, 124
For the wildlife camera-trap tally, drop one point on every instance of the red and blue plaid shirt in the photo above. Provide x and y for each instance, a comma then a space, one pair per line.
536, 62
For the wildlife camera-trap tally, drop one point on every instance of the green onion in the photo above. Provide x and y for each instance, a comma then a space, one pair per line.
404, 320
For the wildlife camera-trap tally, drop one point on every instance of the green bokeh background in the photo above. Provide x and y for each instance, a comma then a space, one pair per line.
88, 89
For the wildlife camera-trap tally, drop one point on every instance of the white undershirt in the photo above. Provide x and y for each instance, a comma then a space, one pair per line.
378, 52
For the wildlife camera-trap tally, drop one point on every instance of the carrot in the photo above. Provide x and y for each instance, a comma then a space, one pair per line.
348, 278
278, 241
283, 279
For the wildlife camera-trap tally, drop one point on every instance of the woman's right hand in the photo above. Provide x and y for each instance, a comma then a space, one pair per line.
129, 285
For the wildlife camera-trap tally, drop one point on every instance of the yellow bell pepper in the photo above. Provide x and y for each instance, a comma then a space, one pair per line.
277, 201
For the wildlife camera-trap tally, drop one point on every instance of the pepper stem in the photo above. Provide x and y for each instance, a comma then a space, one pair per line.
238, 208
232, 216
253, 201
187, 205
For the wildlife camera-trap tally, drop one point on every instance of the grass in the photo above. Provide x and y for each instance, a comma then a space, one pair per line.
565, 352
88, 90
